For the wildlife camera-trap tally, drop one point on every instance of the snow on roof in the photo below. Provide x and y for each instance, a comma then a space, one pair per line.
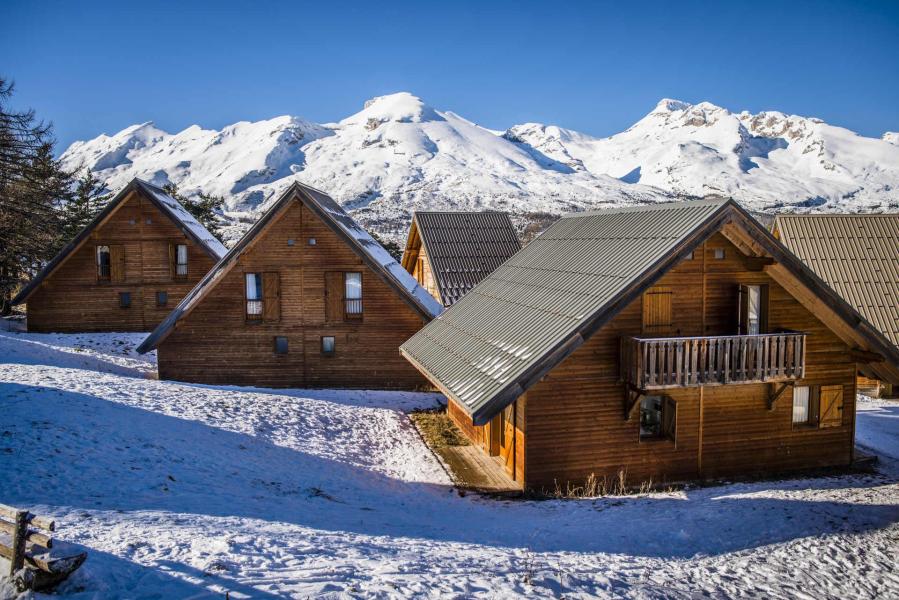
177, 212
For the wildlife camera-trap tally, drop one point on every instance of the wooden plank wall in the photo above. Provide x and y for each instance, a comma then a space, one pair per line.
215, 344
575, 425
71, 299
479, 435
423, 272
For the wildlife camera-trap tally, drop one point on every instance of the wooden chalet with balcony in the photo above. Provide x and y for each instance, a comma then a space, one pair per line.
449, 253
126, 270
668, 342
307, 298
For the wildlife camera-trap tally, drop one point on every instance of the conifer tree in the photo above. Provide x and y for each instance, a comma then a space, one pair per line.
206, 208
88, 199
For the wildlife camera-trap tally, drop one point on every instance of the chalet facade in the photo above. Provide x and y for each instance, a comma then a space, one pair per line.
858, 256
666, 343
305, 299
449, 253
126, 270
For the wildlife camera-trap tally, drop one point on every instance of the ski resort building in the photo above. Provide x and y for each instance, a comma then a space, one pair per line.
124, 271
668, 342
307, 298
449, 253
858, 256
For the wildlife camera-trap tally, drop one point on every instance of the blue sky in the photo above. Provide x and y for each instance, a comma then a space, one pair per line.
596, 67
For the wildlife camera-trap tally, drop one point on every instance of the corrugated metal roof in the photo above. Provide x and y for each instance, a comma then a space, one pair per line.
165, 203
486, 347
857, 255
369, 250
465, 247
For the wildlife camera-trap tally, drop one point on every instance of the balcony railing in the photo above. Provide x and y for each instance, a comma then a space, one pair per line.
352, 308
660, 363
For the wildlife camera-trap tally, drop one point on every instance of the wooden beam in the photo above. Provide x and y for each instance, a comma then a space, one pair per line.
865, 356
631, 400
772, 398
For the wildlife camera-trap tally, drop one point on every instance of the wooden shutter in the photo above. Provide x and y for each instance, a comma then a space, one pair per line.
173, 259
743, 310
334, 287
831, 406
657, 311
669, 417
117, 263
271, 296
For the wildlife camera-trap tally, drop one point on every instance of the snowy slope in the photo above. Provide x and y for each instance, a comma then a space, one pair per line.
892, 137
398, 154
179, 490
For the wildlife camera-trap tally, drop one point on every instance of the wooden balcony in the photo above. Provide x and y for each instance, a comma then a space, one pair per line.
662, 363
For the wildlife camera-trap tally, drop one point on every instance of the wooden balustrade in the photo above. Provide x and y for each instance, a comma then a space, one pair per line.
660, 363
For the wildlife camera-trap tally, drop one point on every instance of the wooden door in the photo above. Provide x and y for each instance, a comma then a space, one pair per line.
507, 439
657, 318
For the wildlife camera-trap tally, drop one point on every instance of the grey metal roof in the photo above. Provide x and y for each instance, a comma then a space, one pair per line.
544, 302
463, 247
857, 255
331, 213
165, 203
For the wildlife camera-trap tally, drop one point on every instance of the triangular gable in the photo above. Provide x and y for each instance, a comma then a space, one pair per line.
515, 327
167, 205
371, 252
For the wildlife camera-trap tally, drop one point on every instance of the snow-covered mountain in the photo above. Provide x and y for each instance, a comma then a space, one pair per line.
398, 154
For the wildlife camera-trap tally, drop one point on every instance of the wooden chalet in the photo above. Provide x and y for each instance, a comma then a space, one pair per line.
305, 299
126, 270
449, 253
669, 342
858, 256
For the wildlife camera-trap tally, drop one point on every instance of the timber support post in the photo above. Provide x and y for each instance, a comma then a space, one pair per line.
776, 393
20, 533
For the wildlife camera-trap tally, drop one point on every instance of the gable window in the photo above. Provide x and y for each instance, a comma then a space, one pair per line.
178, 260
753, 318
254, 296
658, 417
718, 253
353, 295
328, 345
124, 299
162, 298
657, 311
280, 344
103, 263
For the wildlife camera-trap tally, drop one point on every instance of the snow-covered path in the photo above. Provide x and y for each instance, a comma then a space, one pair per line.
182, 490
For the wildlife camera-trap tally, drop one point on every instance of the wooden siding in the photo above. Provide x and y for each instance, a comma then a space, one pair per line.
424, 273
72, 299
216, 344
575, 422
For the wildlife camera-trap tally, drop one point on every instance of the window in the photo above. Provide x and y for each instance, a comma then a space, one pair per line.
178, 260
254, 296
718, 253
420, 270
280, 344
657, 311
328, 345
162, 298
689, 256
353, 295
103, 263
818, 406
658, 416
124, 299
801, 405
753, 318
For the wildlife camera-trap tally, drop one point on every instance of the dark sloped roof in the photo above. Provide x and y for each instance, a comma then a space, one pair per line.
165, 203
464, 247
857, 255
544, 302
331, 213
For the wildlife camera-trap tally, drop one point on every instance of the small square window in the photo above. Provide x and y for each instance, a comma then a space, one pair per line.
689, 256
280, 344
162, 298
328, 345
657, 417
291, 242
124, 299
718, 253
311, 241
149, 221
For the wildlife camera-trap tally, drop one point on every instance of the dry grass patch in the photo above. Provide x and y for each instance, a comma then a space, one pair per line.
437, 429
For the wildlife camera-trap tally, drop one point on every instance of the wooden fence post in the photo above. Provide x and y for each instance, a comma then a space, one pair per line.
18, 542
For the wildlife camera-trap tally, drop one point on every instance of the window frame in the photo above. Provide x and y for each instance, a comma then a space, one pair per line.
349, 315
719, 253
812, 418
100, 276
177, 270
333, 350
277, 345
666, 405
125, 299
165, 298
255, 316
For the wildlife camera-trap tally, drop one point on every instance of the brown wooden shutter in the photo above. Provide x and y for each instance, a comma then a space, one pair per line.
831, 406
334, 289
669, 417
657, 311
763, 309
271, 296
117, 263
743, 310
173, 259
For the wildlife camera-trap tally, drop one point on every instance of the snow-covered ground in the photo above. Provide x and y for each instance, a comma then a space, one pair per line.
189, 491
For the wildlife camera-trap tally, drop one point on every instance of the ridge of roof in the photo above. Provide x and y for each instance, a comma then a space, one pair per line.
169, 206
333, 215
675, 204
